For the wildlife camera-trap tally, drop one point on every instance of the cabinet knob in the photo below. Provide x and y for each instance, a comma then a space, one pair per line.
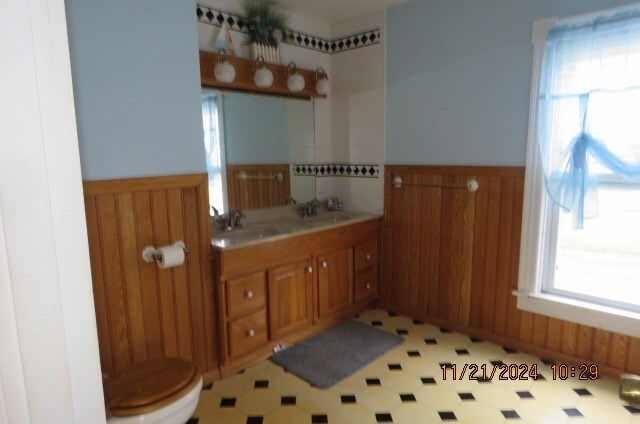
368, 286
249, 294
324, 264
368, 256
251, 332
309, 269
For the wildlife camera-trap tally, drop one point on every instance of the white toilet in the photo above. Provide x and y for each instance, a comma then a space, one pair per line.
159, 391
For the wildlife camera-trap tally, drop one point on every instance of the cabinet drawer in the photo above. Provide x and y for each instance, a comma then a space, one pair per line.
246, 294
366, 255
366, 285
248, 333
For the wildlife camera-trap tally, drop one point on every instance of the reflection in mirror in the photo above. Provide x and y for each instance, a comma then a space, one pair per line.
212, 126
302, 147
251, 142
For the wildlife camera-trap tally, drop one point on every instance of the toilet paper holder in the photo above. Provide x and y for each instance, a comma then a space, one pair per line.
150, 253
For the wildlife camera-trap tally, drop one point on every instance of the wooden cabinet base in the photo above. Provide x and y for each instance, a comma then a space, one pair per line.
235, 364
211, 376
280, 292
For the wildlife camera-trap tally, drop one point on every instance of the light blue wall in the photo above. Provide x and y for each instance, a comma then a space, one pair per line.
136, 86
459, 75
255, 129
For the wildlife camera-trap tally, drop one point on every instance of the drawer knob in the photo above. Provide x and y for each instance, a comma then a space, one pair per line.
309, 269
249, 294
324, 264
368, 286
251, 332
368, 256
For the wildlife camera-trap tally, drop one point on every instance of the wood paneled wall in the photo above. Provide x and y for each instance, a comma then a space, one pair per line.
257, 193
144, 312
451, 256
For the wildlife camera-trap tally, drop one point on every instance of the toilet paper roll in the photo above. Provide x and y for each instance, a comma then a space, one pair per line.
171, 256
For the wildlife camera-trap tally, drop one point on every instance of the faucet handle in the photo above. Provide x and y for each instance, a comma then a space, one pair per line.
313, 207
303, 209
234, 217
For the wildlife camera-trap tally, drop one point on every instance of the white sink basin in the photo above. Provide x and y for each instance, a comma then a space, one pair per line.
245, 234
329, 218
281, 227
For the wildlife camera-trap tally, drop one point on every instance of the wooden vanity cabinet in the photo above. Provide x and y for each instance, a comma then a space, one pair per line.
280, 292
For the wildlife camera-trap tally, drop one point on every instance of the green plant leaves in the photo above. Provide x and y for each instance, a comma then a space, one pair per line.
265, 21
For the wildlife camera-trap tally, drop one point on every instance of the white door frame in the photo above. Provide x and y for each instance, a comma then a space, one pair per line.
49, 360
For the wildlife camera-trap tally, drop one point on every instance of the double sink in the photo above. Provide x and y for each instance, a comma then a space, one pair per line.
284, 227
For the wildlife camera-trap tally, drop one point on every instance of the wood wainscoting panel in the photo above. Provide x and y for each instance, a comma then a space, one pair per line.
144, 312
260, 189
451, 257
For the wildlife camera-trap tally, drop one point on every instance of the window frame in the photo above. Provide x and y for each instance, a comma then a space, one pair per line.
538, 244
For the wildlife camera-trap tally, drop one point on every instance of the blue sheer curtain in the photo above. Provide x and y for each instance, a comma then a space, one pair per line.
213, 148
589, 109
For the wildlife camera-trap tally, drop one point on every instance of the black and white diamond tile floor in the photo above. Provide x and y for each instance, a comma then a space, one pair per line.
407, 386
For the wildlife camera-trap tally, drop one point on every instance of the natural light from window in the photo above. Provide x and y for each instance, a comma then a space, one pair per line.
601, 262
603, 259
580, 251
213, 149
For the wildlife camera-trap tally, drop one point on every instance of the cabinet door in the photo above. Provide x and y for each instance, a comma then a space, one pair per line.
290, 298
335, 282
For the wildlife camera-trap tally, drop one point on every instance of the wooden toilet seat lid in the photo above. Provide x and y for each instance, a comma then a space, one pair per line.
148, 382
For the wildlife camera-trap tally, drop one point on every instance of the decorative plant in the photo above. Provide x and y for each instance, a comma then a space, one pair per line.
265, 22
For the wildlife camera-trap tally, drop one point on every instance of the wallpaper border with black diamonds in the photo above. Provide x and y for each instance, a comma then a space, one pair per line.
212, 16
336, 170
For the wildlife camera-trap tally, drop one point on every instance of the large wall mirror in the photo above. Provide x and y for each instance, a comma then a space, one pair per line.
251, 143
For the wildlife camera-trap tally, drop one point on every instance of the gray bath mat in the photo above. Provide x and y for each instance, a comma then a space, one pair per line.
328, 357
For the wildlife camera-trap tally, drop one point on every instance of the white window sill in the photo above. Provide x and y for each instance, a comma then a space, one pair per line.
581, 312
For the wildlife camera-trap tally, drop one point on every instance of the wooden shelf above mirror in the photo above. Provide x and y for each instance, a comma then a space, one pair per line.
245, 69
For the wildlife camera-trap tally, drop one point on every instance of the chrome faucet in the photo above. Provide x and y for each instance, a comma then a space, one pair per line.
308, 209
213, 212
233, 219
313, 207
217, 220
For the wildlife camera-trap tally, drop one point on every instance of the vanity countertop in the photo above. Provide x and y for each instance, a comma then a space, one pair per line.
277, 228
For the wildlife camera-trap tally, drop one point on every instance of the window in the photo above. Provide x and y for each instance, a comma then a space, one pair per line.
580, 256
212, 128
